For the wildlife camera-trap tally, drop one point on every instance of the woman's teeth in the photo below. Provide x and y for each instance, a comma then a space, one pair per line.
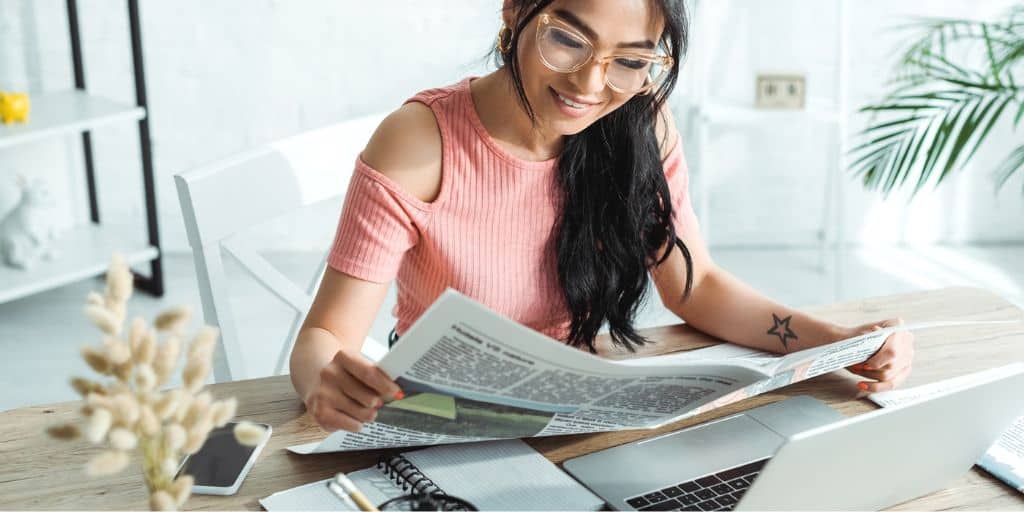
571, 103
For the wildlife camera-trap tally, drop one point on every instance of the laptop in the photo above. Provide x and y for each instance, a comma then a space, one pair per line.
800, 454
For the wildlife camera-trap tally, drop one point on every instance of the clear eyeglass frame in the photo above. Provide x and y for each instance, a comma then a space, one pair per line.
546, 22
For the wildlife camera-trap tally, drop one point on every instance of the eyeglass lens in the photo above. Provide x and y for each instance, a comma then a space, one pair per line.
565, 52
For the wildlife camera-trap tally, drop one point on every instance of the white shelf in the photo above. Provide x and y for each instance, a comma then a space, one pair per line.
54, 113
81, 252
721, 111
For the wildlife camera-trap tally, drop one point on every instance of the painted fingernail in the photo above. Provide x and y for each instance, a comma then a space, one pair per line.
399, 395
377, 404
863, 385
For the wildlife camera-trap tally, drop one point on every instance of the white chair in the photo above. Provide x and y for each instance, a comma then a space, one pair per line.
221, 199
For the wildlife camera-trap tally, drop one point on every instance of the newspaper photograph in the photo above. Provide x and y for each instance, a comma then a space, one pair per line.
470, 374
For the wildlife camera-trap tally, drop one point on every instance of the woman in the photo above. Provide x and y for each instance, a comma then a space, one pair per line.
548, 190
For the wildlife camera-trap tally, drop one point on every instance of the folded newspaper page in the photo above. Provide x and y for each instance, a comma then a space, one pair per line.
470, 374
1004, 459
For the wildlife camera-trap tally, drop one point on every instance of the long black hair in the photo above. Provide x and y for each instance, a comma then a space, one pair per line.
617, 212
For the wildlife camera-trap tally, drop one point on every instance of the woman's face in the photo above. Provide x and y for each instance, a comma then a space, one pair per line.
612, 27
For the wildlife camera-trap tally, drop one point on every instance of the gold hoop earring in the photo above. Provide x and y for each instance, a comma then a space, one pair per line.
502, 46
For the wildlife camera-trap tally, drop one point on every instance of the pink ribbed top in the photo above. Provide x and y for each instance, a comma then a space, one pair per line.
488, 234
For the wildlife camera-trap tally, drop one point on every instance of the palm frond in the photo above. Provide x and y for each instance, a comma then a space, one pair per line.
1013, 163
940, 109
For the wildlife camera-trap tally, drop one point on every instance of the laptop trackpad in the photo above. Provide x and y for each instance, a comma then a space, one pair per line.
676, 457
722, 444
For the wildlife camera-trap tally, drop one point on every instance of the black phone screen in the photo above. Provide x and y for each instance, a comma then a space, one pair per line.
220, 460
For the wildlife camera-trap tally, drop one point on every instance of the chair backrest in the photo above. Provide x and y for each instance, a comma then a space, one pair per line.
223, 198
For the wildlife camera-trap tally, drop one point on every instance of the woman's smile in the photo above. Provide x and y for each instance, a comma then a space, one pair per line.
573, 106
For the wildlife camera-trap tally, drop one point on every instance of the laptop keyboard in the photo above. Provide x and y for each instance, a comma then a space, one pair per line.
719, 491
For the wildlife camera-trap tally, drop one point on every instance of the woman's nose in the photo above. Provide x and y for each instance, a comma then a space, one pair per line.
589, 80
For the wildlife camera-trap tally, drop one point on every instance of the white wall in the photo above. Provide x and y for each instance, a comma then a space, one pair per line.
767, 180
227, 75
230, 74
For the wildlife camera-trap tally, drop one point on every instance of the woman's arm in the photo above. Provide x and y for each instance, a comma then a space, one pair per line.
725, 307
341, 388
722, 305
338, 321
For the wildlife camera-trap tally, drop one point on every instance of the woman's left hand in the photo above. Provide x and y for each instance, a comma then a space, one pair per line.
891, 364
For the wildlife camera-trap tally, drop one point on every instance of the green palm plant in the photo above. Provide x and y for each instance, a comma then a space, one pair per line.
953, 83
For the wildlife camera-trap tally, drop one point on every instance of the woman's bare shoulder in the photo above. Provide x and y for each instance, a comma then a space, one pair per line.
665, 130
406, 147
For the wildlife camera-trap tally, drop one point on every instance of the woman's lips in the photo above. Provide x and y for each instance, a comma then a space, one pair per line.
576, 110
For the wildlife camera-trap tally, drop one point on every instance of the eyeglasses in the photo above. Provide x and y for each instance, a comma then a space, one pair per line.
563, 49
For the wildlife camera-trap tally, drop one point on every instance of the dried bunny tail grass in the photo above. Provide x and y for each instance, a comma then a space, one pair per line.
195, 373
99, 424
162, 500
123, 439
94, 299
248, 433
172, 319
103, 318
136, 330
149, 425
145, 351
118, 310
199, 409
223, 410
117, 351
145, 378
204, 399
184, 402
107, 463
199, 422
166, 358
169, 466
119, 279
118, 387
85, 386
126, 409
181, 489
174, 438
99, 401
123, 372
167, 405
197, 436
66, 431
97, 360
202, 345
148, 397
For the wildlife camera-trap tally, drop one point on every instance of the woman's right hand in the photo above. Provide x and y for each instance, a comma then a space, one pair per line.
350, 392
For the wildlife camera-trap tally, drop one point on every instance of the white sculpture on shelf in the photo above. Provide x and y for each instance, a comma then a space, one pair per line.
27, 233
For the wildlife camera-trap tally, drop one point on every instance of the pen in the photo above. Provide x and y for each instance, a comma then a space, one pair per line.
342, 486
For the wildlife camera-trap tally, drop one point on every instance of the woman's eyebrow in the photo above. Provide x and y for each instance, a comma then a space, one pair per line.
589, 32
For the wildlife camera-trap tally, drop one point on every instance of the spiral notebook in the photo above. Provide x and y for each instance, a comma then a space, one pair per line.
493, 475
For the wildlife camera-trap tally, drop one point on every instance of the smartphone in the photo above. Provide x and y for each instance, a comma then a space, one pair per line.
222, 463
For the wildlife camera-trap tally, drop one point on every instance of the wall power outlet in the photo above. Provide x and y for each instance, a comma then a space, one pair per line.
780, 91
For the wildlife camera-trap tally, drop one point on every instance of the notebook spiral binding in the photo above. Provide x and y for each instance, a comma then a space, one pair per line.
407, 475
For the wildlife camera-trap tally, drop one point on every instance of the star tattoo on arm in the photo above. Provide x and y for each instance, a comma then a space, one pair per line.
782, 330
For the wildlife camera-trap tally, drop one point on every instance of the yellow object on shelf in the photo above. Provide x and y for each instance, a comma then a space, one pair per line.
14, 107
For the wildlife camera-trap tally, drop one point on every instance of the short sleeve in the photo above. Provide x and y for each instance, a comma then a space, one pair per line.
678, 178
378, 225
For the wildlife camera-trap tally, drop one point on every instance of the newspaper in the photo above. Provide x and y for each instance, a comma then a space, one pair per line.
470, 374
1004, 459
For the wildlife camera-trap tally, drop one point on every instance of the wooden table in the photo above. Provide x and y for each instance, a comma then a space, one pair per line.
39, 473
